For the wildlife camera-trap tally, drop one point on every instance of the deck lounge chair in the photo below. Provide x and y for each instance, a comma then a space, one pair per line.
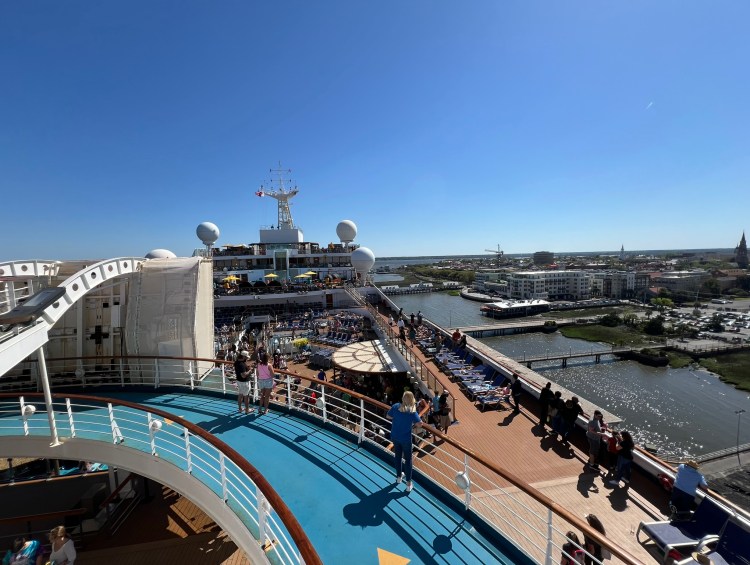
708, 520
732, 546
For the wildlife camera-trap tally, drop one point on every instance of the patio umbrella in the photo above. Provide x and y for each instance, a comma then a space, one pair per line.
231, 278
311, 273
271, 275
302, 276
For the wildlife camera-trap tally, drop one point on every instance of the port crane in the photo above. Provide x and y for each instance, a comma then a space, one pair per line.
498, 252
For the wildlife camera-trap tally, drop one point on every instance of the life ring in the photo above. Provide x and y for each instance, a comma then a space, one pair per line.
666, 482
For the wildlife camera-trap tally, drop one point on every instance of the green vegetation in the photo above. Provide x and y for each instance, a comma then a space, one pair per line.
732, 368
585, 312
454, 292
428, 272
618, 336
678, 360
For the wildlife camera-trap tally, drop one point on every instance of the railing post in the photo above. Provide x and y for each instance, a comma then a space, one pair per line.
188, 453
116, 434
223, 467
151, 434
223, 379
70, 417
323, 399
467, 498
263, 512
156, 373
361, 436
289, 392
548, 555
122, 374
192, 378
23, 415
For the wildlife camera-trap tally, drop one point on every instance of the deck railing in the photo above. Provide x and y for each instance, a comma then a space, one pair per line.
530, 519
188, 448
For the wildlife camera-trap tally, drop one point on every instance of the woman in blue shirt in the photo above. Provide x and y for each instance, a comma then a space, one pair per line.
404, 417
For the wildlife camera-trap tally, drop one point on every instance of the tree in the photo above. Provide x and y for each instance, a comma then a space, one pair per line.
711, 287
715, 325
610, 320
662, 303
655, 326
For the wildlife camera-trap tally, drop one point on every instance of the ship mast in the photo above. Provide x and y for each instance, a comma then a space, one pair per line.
282, 196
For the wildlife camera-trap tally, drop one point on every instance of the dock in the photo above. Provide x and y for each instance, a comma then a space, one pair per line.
511, 326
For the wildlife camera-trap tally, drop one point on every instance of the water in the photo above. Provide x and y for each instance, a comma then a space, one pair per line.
682, 411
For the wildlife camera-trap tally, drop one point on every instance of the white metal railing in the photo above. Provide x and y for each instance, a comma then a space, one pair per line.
533, 522
173, 444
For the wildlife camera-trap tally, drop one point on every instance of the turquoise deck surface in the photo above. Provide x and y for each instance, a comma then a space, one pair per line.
344, 496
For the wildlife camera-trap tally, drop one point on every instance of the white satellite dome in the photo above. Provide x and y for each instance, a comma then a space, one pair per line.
208, 233
346, 230
362, 260
160, 254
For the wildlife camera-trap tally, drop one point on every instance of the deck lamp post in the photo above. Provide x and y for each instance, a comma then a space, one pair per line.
739, 418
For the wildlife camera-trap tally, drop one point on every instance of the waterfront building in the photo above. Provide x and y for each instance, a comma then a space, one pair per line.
542, 258
740, 253
550, 285
613, 284
490, 282
685, 281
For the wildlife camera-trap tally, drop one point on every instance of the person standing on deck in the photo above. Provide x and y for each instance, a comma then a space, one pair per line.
401, 328
594, 435
404, 416
419, 318
411, 318
686, 481
515, 392
545, 397
412, 334
243, 373
265, 382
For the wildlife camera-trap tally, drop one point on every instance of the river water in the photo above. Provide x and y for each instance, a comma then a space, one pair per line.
683, 412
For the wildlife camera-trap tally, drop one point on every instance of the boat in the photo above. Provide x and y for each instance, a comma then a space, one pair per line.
122, 368
515, 308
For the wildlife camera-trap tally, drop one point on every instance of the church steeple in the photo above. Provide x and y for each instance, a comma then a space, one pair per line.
740, 253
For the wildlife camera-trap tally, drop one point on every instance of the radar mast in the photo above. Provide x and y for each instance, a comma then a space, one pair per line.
282, 196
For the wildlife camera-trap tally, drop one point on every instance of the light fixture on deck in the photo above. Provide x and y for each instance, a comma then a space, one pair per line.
462, 481
29, 410
155, 426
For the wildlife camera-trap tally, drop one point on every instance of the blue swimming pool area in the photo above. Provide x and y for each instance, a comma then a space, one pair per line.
343, 494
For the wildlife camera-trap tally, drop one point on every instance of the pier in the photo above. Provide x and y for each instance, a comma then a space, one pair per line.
597, 355
511, 326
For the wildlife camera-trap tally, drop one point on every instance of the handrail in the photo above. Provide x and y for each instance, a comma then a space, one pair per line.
115, 492
44, 516
307, 552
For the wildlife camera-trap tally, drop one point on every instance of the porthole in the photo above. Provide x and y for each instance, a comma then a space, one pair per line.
109, 268
24, 268
75, 286
93, 275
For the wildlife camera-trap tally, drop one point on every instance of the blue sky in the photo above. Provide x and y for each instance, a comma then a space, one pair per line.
437, 127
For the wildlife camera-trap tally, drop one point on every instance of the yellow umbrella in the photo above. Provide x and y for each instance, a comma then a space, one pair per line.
271, 275
302, 276
231, 278
311, 273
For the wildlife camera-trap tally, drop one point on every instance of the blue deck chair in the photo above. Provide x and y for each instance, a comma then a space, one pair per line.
709, 519
732, 547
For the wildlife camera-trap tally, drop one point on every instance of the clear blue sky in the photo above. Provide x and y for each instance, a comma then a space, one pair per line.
438, 127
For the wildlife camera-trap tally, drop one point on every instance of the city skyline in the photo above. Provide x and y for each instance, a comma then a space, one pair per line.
438, 130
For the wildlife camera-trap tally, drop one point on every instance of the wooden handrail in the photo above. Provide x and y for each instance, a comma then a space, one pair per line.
44, 516
115, 492
23, 482
304, 545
